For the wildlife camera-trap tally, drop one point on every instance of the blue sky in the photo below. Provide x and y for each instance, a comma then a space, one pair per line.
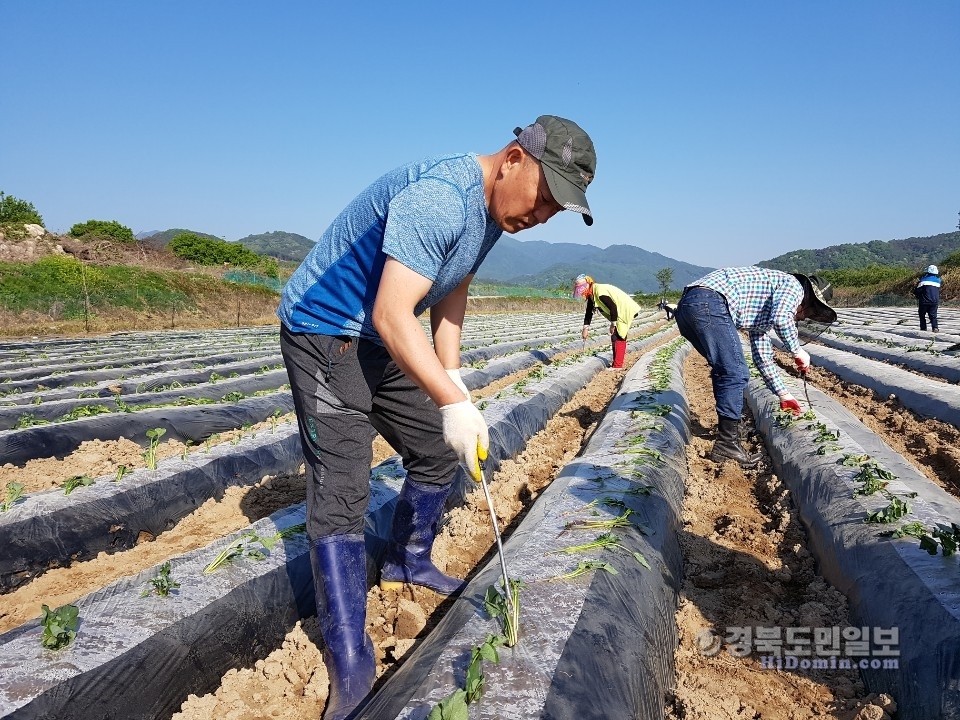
726, 132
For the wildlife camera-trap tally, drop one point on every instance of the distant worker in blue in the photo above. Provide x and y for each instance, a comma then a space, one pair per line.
927, 293
360, 362
616, 305
757, 300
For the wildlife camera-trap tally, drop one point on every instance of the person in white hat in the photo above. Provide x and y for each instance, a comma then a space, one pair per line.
927, 293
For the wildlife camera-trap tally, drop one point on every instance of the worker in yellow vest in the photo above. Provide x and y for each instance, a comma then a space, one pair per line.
614, 304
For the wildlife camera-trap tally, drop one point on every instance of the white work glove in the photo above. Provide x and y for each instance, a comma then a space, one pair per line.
465, 432
458, 381
802, 359
585, 333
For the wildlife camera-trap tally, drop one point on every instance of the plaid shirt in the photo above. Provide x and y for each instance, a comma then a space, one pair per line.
761, 300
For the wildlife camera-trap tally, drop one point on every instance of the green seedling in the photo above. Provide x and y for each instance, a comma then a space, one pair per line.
29, 420
945, 537
913, 529
606, 501
583, 568
13, 491
84, 411
242, 547
150, 454
245, 547
622, 520
274, 419
508, 614
486, 651
607, 540
71, 484
785, 418
186, 449
59, 626
892, 512
161, 584
452, 707
120, 472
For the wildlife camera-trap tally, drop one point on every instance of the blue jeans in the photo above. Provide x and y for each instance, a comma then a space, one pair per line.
703, 319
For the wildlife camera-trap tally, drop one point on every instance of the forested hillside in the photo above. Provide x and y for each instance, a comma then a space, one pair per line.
915, 252
279, 244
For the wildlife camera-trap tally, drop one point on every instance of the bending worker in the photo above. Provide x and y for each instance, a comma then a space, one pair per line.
614, 304
359, 361
757, 300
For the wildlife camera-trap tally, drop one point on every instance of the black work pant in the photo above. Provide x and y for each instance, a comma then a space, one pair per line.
345, 389
928, 310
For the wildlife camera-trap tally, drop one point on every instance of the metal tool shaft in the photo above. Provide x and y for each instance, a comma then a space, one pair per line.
496, 534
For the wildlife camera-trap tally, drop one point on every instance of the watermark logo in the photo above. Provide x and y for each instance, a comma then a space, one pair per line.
806, 648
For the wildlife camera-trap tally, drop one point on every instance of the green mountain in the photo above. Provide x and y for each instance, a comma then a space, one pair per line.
915, 252
279, 244
542, 264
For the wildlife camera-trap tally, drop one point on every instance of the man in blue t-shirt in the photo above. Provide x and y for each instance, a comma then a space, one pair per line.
927, 293
359, 361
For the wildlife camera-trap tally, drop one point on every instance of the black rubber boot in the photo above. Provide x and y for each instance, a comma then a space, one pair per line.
340, 582
728, 447
414, 527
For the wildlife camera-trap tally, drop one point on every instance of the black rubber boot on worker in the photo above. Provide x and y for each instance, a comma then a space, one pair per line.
415, 519
340, 583
728, 447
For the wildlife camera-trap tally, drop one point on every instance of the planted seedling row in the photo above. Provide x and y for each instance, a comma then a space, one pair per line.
605, 530
882, 534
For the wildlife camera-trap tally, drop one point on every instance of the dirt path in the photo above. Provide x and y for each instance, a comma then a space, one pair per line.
746, 565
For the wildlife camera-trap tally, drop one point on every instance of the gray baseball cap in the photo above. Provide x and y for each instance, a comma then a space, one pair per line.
567, 156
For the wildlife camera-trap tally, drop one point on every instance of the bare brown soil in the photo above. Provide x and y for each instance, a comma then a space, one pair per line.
746, 565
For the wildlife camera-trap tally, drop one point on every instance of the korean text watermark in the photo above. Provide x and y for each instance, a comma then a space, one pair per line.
807, 648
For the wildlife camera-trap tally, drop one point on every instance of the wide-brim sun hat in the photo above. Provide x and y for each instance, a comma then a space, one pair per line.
933, 270
567, 157
819, 293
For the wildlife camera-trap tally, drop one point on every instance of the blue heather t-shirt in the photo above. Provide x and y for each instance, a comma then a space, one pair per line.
429, 215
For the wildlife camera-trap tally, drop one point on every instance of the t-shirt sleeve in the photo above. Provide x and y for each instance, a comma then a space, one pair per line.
424, 222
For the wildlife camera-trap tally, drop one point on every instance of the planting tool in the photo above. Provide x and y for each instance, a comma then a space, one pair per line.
803, 374
496, 528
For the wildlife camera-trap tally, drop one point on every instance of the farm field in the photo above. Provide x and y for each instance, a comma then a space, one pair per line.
177, 445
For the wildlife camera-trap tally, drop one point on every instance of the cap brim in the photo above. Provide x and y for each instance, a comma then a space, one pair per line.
567, 194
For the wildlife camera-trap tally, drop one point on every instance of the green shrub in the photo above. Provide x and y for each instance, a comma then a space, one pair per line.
103, 228
205, 251
952, 260
15, 210
866, 277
